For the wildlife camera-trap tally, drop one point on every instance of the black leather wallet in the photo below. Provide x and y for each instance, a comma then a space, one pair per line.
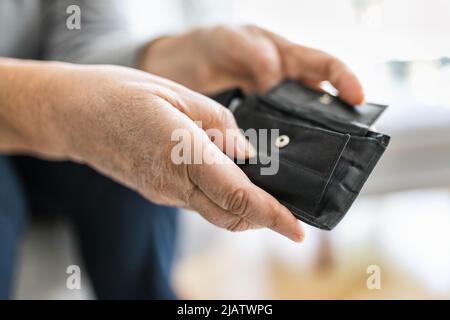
325, 147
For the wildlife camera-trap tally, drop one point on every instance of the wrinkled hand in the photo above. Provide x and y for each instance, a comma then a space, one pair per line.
120, 121
211, 59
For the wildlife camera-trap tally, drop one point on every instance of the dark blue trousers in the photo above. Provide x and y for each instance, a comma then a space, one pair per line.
127, 243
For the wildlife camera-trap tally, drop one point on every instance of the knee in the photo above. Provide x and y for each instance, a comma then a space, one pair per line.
12, 200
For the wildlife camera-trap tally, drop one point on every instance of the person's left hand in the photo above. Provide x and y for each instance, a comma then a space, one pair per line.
212, 59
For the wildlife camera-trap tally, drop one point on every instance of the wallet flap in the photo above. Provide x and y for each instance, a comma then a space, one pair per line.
305, 166
330, 151
226, 97
323, 108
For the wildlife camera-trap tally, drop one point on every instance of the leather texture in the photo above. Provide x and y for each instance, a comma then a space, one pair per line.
331, 150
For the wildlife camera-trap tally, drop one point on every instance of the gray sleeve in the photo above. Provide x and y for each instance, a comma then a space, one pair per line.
103, 37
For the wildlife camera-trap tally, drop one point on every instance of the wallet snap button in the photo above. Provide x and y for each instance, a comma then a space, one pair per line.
325, 99
234, 104
282, 141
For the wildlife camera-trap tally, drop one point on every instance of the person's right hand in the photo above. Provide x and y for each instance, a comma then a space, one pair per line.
120, 121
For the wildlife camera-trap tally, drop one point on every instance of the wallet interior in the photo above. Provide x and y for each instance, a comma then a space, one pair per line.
331, 150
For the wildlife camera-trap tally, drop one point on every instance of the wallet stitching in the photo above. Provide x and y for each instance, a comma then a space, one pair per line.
333, 169
305, 215
326, 179
376, 155
330, 167
301, 213
352, 196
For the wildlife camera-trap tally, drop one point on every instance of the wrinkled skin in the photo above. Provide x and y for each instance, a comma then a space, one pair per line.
119, 120
211, 59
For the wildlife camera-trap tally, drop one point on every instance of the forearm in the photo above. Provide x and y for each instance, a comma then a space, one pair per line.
26, 108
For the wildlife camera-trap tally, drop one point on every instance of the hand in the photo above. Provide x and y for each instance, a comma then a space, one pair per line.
212, 59
119, 121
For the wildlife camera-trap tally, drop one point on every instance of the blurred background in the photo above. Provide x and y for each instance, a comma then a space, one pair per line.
401, 51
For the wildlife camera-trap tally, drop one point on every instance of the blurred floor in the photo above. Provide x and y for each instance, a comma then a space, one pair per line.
404, 234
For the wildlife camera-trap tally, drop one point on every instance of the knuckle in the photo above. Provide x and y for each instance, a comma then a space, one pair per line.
238, 202
237, 225
177, 100
174, 95
266, 64
225, 117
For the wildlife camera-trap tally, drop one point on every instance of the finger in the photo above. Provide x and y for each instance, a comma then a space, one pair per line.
230, 189
262, 58
221, 180
252, 54
218, 122
305, 63
315, 85
216, 215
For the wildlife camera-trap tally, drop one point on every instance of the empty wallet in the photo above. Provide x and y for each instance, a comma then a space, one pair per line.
325, 147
